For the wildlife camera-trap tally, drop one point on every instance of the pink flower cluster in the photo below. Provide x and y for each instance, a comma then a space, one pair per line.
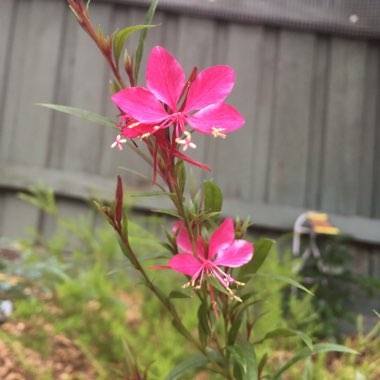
223, 251
171, 100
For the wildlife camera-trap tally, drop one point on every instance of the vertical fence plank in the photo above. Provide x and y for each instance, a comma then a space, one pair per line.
289, 145
317, 122
375, 175
25, 129
83, 138
340, 185
368, 132
375, 213
7, 21
242, 47
7, 13
82, 141
262, 120
34, 61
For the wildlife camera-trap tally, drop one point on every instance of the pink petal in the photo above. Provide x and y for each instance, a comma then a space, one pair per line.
177, 225
140, 104
221, 116
137, 131
184, 242
211, 86
165, 77
240, 252
185, 263
177, 153
222, 237
183, 239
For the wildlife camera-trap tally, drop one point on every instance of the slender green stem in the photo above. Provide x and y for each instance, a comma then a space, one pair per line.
165, 301
104, 45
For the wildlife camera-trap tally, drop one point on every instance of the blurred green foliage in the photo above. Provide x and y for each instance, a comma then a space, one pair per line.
78, 281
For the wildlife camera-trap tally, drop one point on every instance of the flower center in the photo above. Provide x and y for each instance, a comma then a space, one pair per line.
213, 270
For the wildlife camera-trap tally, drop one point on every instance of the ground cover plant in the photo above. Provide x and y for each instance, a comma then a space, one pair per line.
76, 315
211, 257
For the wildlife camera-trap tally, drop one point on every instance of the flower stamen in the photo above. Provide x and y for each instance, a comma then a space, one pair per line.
216, 132
144, 136
134, 124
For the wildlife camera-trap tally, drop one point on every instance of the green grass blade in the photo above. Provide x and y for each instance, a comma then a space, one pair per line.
318, 348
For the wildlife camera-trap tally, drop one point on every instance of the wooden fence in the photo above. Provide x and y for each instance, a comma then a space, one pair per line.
307, 84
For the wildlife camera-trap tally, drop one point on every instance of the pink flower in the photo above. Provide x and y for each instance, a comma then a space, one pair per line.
131, 128
160, 104
118, 142
186, 142
223, 251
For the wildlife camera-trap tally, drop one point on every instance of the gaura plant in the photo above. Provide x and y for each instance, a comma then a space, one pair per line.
212, 254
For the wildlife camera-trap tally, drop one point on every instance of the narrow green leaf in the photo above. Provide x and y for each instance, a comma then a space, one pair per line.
192, 362
100, 32
121, 36
376, 313
119, 201
82, 114
244, 306
203, 326
176, 294
143, 34
288, 280
305, 338
167, 212
246, 296
244, 355
126, 252
213, 197
262, 248
133, 172
208, 215
181, 175
114, 87
318, 348
124, 224
169, 247
262, 363
158, 256
234, 330
283, 332
215, 356
179, 328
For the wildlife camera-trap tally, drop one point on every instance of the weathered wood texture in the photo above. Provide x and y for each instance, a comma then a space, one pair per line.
346, 17
310, 99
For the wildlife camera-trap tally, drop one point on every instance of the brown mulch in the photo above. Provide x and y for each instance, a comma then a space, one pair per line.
64, 362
